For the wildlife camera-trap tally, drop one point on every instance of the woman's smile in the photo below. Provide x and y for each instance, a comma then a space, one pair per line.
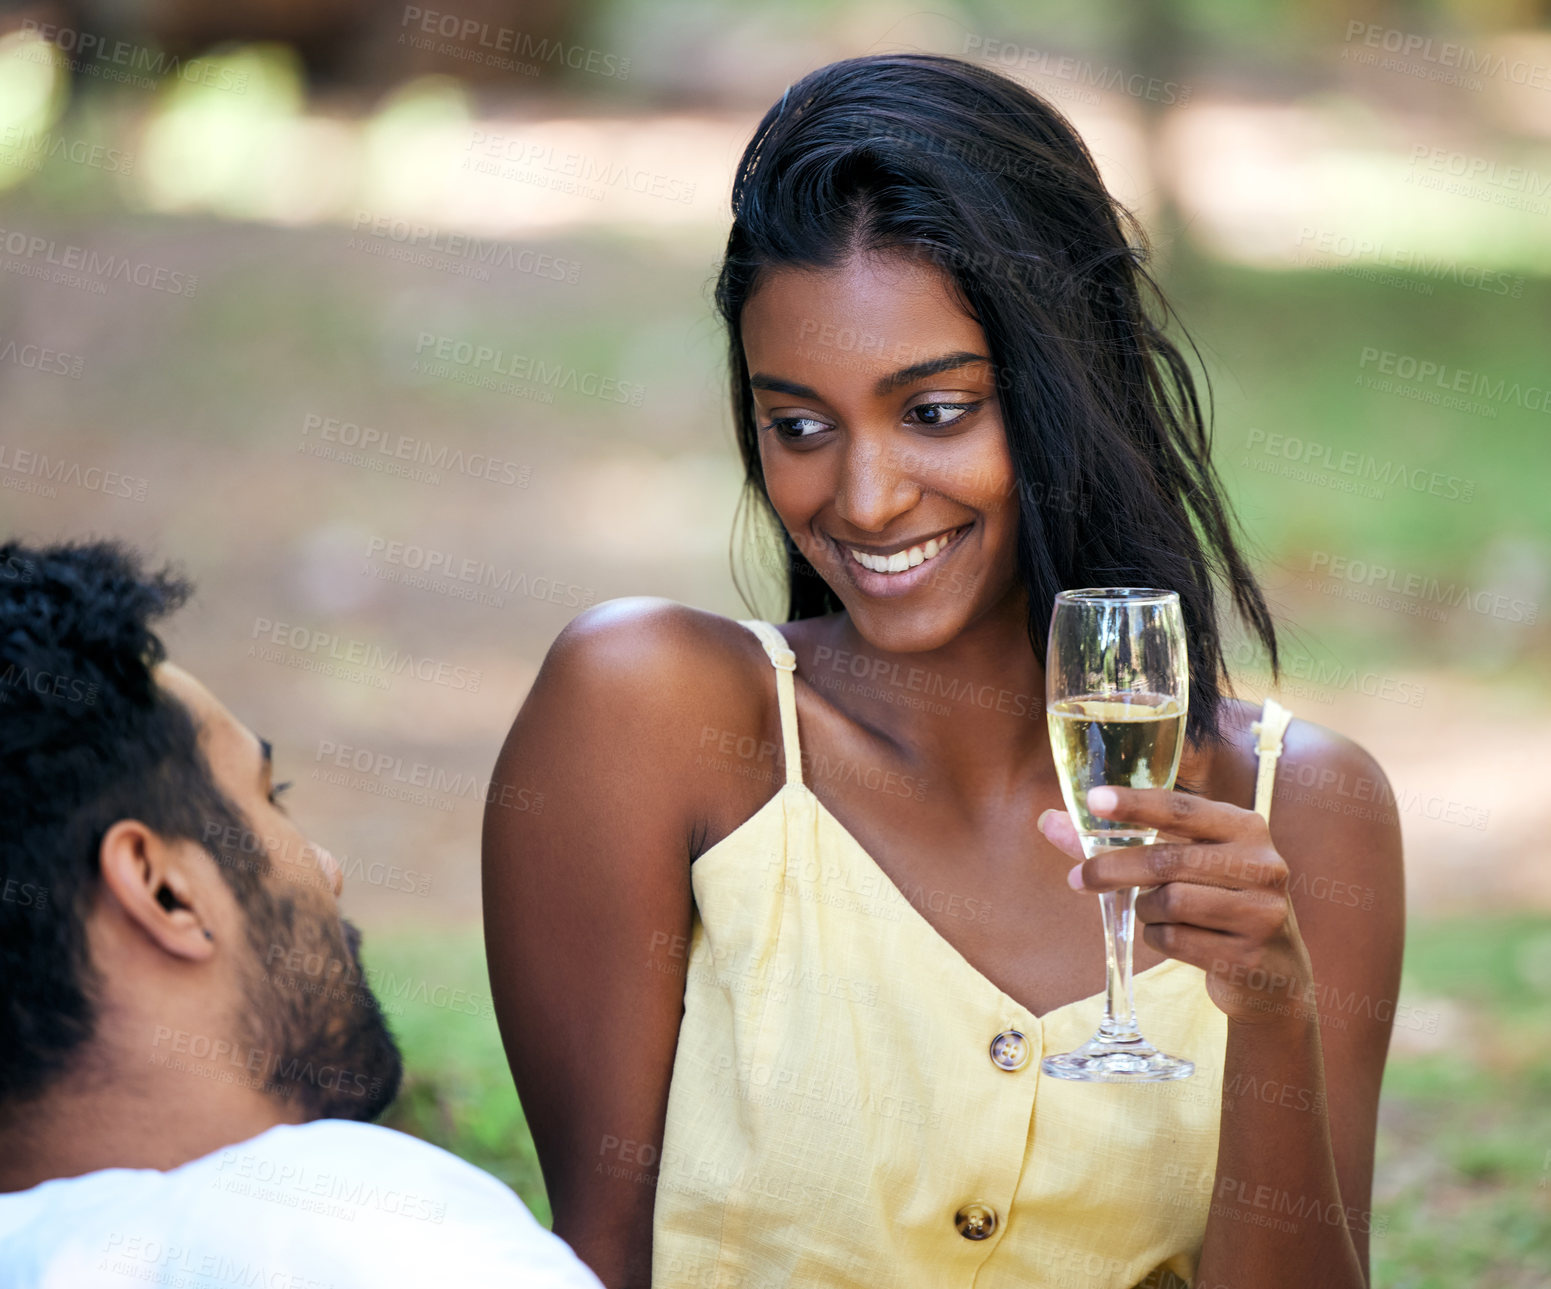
902, 569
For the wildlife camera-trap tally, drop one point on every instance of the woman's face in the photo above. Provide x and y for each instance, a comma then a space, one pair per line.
881, 434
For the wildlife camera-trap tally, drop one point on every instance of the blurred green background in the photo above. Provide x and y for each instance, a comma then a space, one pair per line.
228, 234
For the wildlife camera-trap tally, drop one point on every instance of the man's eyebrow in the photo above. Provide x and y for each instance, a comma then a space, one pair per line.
886, 385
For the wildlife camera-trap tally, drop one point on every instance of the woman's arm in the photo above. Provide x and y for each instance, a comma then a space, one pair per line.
1300, 935
1340, 839
586, 899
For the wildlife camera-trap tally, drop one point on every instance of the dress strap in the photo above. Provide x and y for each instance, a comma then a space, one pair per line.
1270, 728
786, 690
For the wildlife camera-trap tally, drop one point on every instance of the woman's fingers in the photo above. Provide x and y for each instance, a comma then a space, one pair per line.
1251, 913
1236, 866
1061, 832
1178, 813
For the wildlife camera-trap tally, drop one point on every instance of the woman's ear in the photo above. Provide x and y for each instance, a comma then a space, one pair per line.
154, 883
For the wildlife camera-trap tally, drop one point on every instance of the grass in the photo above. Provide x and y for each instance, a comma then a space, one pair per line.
1463, 1188
1464, 1149
457, 1090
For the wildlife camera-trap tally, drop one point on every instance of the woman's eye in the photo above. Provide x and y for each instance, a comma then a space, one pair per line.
939, 415
275, 793
785, 426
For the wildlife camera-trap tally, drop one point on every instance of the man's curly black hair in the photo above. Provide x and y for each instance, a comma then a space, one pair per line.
87, 738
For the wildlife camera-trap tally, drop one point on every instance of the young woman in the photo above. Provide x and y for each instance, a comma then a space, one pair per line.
777, 962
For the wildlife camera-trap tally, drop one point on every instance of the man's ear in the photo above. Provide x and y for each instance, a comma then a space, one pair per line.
153, 881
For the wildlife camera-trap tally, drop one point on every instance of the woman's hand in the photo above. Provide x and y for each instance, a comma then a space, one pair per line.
1218, 897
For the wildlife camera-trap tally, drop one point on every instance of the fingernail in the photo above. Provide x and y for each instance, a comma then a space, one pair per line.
1043, 815
1074, 878
1102, 798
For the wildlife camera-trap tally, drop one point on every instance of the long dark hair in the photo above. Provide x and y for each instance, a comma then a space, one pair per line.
933, 156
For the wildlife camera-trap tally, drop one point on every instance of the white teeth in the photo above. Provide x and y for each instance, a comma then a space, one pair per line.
901, 560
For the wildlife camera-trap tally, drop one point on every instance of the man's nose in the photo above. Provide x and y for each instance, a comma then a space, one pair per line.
331, 870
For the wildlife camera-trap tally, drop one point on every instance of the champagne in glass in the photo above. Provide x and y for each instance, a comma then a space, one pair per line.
1117, 688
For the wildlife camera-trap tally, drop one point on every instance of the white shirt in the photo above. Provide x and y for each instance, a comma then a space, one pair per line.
332, 1204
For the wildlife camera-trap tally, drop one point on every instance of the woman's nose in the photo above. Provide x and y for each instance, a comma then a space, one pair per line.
872, 487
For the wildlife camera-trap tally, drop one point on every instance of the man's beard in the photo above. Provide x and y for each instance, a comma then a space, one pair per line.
312, 1013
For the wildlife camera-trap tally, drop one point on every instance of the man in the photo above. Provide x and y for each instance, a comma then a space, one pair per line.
190, 1057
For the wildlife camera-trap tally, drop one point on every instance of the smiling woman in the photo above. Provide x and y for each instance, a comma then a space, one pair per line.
795, 1039
963, 231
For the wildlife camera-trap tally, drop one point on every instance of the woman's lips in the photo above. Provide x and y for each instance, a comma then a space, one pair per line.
871, 582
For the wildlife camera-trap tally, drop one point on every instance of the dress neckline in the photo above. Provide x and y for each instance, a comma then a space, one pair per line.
913, 913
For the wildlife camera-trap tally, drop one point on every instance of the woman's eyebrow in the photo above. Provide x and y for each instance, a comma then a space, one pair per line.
886, 384
760, 381
931, 367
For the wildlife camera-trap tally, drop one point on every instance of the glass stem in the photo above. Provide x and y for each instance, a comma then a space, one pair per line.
1119, 910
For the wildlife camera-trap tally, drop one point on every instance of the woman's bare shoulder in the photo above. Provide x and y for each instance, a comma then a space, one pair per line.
636, 685
659, 638
670, 663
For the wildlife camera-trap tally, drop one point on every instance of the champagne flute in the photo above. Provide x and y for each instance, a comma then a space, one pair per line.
1117, 690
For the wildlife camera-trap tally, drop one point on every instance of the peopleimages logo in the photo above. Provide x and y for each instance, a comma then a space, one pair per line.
1448, 54
1481, 178
449, 352
1453, 381
47, 684
441, 572
494, 41
68, 257
39, 358
385, 770
592, 175
1322, 676
25, 466
254, 1066
1367, 254
1080, 71
85, 52
1366, 471
371, 445
482, 254
280, 1178
28, 149
320, 648
1423, 587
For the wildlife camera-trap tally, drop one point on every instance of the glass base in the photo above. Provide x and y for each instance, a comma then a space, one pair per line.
1102, 1060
